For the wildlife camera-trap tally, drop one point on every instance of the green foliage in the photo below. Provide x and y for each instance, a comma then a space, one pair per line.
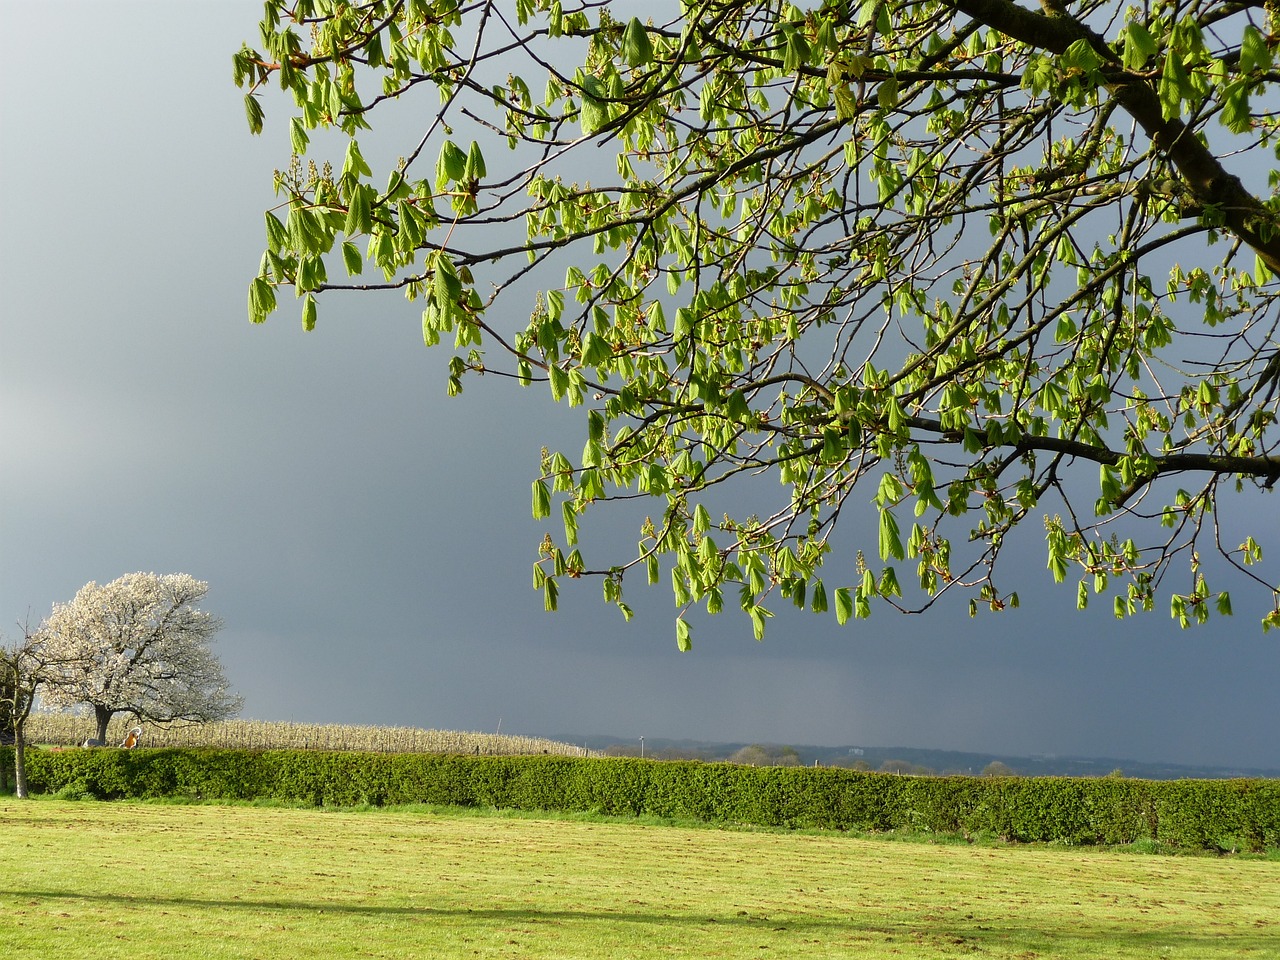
1233, 814
963, 251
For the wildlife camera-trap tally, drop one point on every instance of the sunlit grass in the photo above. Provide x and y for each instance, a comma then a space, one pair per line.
139, 881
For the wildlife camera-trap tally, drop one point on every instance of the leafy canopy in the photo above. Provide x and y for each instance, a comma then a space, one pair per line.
985, 265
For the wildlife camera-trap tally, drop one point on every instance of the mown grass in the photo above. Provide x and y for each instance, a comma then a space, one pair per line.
144, 881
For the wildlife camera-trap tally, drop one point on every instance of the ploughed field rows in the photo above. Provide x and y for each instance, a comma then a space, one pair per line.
59, 729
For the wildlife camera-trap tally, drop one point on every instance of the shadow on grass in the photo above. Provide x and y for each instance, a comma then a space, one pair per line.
1007, 935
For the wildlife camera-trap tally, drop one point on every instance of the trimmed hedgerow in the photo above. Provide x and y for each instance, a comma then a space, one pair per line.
1232, 814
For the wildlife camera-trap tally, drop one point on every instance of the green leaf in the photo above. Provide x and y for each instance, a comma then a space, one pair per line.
889, 586
1080, 55
844, 605
795, 52
311, 273
846, 102
298, 138
451, 165
683, 639
758, 617
890, 491
359, 217
354, 164
679, 586
736, 407
709, 103
1255, 53
277, 235
1174, 85
1058, 567
701, 519
446, 286
306, 234
637, 49
819, 599
559, 381
570, 515
595, 426
890, 539
715, 601
595, 111
596, 350
1237, 111
474, 169
1139, 46
308, 313
541, 500
262, 299
1108, 482
352, 258
253, 112
887, 93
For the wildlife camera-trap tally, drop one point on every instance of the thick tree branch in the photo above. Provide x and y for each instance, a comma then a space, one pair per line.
1207, 180
1263, 466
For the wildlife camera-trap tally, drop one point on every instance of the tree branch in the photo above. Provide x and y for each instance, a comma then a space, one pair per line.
1208, 181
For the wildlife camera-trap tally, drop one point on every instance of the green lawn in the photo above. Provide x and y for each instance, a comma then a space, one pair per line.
136, 881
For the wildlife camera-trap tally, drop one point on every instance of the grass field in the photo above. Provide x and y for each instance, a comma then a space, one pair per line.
137, 881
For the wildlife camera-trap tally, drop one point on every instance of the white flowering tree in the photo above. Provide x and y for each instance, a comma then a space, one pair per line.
138, 645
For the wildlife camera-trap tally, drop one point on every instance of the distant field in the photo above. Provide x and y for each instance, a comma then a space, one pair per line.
135, 882
66, 729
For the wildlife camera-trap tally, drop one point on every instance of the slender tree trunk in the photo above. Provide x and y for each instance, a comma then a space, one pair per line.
20, 759
104, 715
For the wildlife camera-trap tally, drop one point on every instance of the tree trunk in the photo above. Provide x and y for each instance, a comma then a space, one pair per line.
20, 759
103, 715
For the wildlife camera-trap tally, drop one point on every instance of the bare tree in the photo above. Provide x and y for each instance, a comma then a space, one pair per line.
138, 645
25, 666
753, 755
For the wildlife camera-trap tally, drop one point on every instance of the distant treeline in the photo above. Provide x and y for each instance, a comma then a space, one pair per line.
918, 762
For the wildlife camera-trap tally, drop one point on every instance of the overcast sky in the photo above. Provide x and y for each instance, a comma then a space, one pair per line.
366, 539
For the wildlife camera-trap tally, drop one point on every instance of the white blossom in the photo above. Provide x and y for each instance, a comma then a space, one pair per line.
139, 645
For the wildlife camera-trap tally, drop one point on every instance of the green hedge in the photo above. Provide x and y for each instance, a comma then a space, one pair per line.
1234, 814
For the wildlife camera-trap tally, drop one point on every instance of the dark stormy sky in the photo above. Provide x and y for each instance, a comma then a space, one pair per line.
367, 540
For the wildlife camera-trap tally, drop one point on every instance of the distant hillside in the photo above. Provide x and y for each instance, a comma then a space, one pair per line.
907, 759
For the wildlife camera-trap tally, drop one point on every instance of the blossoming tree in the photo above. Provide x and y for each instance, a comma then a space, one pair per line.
141, 645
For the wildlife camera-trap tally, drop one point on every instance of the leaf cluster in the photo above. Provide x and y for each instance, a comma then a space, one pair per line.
975, 264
